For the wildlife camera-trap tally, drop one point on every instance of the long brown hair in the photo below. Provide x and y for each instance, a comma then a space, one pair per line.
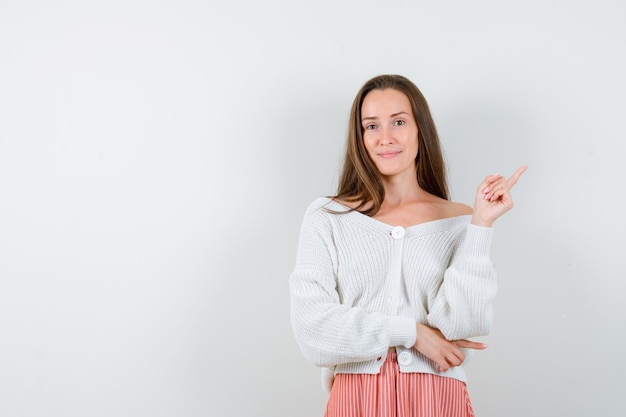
360, 180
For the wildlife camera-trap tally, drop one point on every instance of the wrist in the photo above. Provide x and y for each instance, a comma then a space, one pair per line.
421, 330
477, 221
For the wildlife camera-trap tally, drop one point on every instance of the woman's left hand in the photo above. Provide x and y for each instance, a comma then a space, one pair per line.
493, 198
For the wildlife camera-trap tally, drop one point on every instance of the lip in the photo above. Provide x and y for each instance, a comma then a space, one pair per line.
388, 154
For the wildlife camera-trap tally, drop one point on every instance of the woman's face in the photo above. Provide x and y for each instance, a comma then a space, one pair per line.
390, 132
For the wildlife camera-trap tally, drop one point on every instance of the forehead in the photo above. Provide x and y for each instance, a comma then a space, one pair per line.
385, 102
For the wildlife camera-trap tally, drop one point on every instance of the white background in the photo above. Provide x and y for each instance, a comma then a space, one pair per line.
156, 158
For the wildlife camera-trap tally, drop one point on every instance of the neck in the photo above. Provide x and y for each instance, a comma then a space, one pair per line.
401, 190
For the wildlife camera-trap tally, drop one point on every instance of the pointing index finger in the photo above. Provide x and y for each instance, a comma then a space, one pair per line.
513, 180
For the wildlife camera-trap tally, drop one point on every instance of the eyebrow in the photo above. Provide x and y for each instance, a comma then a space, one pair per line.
376, 117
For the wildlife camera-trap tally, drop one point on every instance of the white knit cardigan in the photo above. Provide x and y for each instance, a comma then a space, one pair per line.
359, 286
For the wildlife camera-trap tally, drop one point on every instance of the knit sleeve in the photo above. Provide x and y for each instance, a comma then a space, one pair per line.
462, 307
328, 332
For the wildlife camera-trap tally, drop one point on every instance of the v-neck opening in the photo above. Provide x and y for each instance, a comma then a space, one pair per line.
426, 227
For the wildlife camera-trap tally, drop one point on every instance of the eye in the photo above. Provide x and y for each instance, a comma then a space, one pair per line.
370, 126
399, 123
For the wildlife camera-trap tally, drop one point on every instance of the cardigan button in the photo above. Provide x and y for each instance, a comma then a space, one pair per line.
397, 232
404, 358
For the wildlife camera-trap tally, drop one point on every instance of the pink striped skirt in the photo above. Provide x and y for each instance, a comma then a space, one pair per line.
394, 394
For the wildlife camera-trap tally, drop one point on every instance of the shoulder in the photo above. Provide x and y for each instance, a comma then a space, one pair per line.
352, 204
445, 209
319, 203
452, 209
320, 209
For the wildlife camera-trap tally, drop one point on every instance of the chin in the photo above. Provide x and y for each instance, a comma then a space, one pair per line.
391, 172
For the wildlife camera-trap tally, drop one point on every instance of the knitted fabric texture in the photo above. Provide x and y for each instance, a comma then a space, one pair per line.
359, 286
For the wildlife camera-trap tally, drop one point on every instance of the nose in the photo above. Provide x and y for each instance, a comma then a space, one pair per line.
385, 138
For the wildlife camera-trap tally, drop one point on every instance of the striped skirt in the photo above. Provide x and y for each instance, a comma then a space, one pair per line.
394, 394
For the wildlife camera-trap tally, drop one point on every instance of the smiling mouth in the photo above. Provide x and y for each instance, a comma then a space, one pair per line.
388, 154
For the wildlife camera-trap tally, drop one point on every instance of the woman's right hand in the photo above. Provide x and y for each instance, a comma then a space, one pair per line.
431, 343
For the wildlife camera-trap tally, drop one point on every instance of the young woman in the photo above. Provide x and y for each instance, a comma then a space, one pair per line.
391, 277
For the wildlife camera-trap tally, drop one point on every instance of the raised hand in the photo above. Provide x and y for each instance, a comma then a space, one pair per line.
493, 198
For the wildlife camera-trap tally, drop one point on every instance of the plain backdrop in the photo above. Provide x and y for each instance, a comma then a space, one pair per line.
156, 158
